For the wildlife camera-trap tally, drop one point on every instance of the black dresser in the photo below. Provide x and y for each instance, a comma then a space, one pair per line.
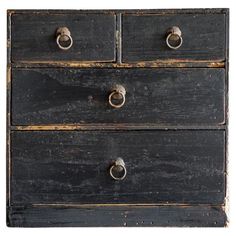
117, 117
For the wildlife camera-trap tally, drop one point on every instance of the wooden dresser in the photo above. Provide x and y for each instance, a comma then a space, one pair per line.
117, 117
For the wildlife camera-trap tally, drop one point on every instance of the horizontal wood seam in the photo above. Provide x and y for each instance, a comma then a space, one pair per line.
141, 64
125, 204
113, 127
128, 11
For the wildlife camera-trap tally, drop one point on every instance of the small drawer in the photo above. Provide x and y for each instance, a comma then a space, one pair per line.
63, 37
153, 37
117, 167
118, 96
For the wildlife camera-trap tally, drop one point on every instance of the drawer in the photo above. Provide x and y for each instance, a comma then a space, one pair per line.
43, 37
80, 166
152, 96
197, 37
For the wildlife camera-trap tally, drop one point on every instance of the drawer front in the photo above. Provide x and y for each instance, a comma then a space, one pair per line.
162, 96
74, 167
144, 37
34, 37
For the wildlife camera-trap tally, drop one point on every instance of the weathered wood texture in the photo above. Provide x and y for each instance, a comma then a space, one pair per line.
146, 64
171, 132
160, 96
143, 37
124, 11
162, 167
34, 37
190, 216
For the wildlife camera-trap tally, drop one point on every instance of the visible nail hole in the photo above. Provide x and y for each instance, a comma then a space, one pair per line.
125, 224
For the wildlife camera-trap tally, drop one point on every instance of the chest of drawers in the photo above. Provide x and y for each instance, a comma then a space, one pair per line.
117, 118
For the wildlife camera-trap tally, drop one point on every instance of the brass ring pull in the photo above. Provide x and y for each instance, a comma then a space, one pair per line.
174, 39
64, 39
117, 96
118, 170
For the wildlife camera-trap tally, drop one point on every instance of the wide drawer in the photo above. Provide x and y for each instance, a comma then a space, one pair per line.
153, 96
199, 37
74, 167
34, 37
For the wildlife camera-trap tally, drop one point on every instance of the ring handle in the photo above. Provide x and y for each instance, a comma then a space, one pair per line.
117, 95
64, 39
118, 170
174, 38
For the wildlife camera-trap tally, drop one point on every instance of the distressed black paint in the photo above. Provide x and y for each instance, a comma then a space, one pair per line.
162, 167
171, 133
143, 37
51, 216
34, 37
160, 96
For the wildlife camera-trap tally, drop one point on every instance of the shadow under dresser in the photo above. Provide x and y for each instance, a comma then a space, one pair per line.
117, 117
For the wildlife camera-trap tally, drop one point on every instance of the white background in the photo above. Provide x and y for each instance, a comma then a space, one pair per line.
118, 4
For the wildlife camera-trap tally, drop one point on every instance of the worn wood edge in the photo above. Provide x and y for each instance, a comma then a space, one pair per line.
8, 39
179, 11
227, 199
143, 64
180, 216
121, 204
135, 11
60, 12
8, 110
115, 127
8, 169
226, 162
119, 39
8, 135
115, 41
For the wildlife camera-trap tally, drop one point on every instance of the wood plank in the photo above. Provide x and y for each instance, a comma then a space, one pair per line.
162, 167
104, 126
34, 37
80, 96
124, 11
144, 64
143, 37
181, 216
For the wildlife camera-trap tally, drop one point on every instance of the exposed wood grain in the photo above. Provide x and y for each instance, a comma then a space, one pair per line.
145, 64
162, 167
143, 37
74, 96
191, 216
104, 126
33, 37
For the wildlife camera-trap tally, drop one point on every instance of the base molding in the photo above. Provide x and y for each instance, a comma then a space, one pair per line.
99, 216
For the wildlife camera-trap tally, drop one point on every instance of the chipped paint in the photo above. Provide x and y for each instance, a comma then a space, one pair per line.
105, 126
152, 64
